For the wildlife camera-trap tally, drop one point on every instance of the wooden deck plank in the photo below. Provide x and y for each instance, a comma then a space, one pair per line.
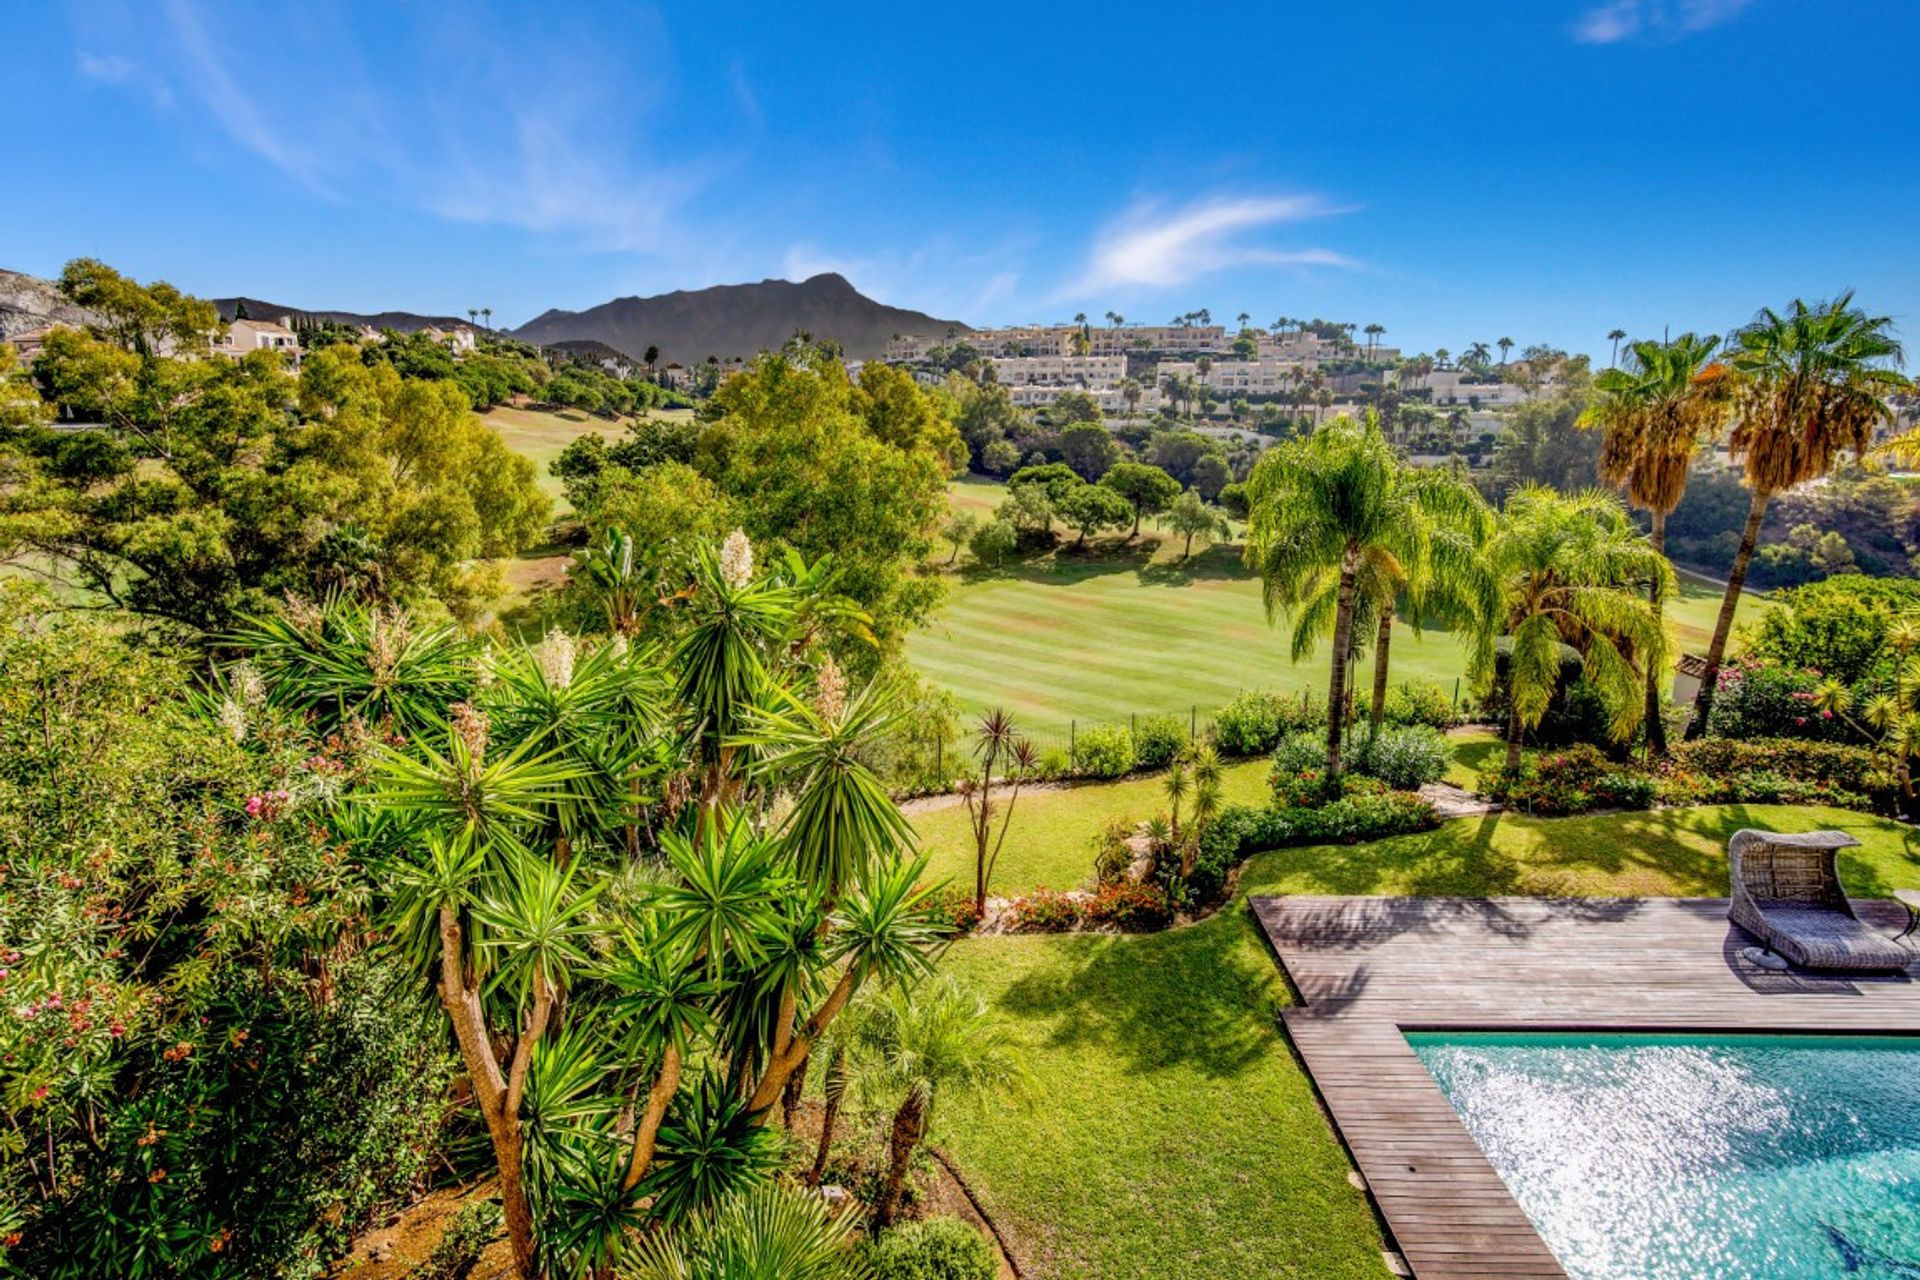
1370, 969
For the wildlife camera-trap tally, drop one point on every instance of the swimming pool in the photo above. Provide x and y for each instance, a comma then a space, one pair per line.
1670, 1157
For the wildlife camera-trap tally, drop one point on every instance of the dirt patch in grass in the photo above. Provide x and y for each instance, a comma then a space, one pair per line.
388, 1252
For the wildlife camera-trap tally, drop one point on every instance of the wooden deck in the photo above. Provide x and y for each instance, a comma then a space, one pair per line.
1368, 969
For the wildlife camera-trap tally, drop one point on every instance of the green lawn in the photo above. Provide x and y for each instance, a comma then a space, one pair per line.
1176, 1135
1050, 840
1133, 629
541, 434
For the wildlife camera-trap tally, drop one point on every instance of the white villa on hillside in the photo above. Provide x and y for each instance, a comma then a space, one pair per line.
460, 338
247, 334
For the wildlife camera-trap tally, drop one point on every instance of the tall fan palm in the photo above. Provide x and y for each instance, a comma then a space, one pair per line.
1325, 512
1567, 569
1808, 385
1654, 413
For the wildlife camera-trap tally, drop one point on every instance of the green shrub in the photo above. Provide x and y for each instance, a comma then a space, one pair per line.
1757, 698
1254, 721
1103, 751
1421, 702
1112, 851
1131, 907
1046, 911
933, 1249
1299, 752
1405, 759
1777, 771
993, 542
954, 907
1053, 764
1158, 740
1367, 811
1576, 780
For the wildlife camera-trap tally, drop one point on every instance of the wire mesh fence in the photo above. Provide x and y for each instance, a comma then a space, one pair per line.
1063, 744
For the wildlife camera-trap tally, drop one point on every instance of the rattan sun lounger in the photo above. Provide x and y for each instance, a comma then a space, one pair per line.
1786, 892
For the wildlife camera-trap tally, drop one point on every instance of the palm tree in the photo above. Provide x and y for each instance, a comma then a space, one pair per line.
1505, 345
768, 1230
1455, 589
939, 1042
473, 315
1614, 336
1325, 512
1565, 569
487, 312
1131, 391
1807, 385
1373, 332
1655, 413
1243, 318
1476, 353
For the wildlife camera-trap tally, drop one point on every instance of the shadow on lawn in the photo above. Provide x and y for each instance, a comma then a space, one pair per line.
1660, 853
1194, 996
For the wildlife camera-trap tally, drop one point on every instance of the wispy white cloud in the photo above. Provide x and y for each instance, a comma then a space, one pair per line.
1157, 247
743, 93
235, 109
517, 128
107, 68
1658, 20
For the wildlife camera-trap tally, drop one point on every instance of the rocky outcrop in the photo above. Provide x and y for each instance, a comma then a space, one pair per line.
28, 302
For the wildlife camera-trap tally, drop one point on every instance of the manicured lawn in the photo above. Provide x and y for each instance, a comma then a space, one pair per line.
1176, 1135
541, 434
1473, 754
1130, 628
1658, 854
1050, 841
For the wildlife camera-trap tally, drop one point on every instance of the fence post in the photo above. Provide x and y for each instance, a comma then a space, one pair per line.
1073, 749
1133, 724
1456, 693
940, 760
1193, 722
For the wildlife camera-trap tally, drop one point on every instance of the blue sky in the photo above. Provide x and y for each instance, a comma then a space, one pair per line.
1540, 169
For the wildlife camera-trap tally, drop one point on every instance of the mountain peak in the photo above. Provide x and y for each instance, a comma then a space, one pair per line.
737, 320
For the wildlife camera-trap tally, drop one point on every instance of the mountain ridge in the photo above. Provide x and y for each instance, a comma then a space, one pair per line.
686, 325
723, 320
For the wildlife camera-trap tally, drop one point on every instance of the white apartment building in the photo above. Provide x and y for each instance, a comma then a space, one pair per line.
1110, 399
1167, 339
1237, 377
1085, 373
1302, 348
1447, 387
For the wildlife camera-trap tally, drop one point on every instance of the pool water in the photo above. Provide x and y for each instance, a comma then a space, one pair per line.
1673, 1157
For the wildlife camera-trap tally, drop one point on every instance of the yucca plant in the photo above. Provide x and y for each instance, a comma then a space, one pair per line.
342, 661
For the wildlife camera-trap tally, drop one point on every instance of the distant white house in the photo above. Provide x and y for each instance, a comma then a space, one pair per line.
248, 335
459, 338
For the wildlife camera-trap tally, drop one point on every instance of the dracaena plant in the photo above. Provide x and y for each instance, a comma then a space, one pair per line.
628, 1015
